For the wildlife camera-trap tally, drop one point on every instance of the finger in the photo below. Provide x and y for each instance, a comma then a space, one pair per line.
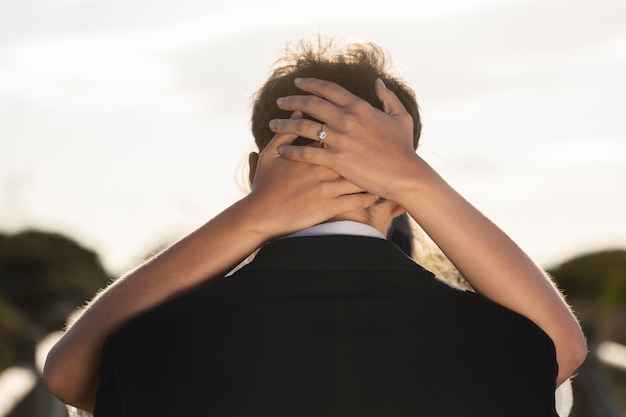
328, 90
296, 115
391, 103
284, 138
353, 202
342, 186
309, 154
307, 130
303, 127
312, 105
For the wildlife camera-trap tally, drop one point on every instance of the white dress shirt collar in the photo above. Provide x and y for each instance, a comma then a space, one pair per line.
342, 227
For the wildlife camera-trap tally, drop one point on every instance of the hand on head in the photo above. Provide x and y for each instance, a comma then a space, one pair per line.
369, 147
300, 194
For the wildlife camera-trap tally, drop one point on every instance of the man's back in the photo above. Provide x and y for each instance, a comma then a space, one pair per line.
328, 326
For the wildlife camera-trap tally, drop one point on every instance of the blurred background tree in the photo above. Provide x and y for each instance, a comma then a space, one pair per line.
43, 278
595, 285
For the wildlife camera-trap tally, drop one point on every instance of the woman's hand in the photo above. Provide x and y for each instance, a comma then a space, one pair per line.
289, 196
369, 147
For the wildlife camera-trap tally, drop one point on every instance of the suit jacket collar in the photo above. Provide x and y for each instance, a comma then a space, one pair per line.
332, 252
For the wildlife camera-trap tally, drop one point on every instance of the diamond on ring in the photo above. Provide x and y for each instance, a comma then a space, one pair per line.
322, 134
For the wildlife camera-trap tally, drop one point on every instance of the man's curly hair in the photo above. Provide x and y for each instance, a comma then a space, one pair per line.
353, 65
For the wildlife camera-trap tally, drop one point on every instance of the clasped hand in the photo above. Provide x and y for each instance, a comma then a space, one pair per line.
372, 149
290, 195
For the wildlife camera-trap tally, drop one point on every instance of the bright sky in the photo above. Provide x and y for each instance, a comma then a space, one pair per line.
126, 126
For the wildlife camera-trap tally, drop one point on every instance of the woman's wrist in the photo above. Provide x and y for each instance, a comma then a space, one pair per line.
261, 220
414, 183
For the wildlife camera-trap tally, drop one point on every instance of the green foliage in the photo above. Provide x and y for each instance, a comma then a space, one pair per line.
43, 278
596, 281
10, 324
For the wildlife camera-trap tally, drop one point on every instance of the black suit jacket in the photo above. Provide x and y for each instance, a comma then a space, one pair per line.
328, 326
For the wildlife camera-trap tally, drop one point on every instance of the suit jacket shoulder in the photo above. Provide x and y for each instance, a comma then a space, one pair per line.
330, 325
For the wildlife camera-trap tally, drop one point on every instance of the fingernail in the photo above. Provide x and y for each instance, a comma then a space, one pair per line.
280, 100
273, 123
379, 80
281, 148
297, 80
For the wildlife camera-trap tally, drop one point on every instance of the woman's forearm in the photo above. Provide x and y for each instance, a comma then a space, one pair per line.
373, 149
493, 263
72, 366
277, 205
